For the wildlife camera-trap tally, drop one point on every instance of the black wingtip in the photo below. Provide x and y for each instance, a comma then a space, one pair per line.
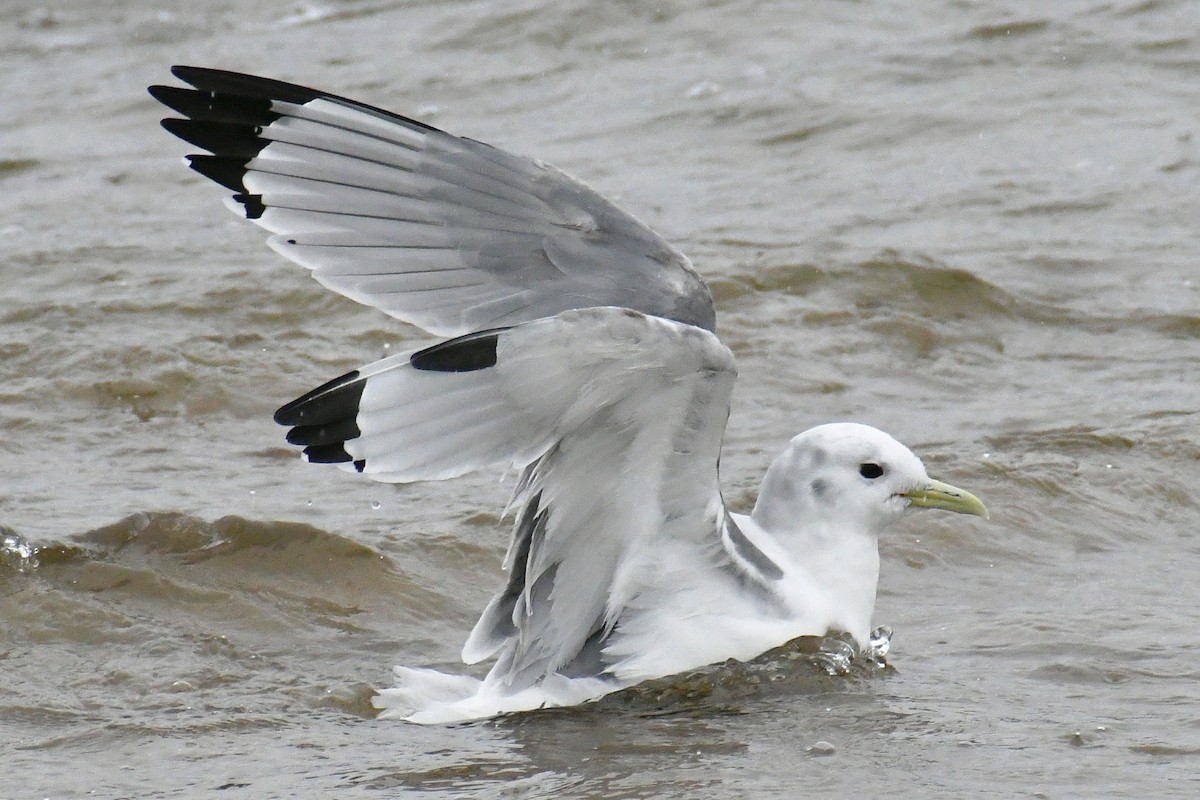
165, 94
330, 433
330, 402
464, 354
327, 454
252, 204
218, 138
226, 171
236, 96
223, 81
325, 419
200, 105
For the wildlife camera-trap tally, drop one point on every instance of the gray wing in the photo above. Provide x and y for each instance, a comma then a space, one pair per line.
617, 418
444, 232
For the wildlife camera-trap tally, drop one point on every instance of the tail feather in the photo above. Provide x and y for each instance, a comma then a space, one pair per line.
429, 697
421, 692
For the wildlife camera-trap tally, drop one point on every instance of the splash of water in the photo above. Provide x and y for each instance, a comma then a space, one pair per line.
16, 552
879, 645
836, 654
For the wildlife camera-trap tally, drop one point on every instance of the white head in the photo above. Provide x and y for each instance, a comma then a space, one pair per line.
825, 499
847, 475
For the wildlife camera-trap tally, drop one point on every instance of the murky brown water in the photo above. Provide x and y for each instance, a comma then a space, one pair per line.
971, 224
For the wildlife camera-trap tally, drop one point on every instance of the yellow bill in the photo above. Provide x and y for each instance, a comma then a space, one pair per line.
936, 494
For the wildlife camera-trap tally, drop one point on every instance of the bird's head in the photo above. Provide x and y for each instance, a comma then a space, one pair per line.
846, 473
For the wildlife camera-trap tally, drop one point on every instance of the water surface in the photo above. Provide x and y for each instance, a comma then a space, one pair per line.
972, 225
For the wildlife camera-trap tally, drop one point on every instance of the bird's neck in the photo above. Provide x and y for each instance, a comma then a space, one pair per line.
833, 571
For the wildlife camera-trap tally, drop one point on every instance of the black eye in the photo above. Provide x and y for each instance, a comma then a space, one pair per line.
870, 471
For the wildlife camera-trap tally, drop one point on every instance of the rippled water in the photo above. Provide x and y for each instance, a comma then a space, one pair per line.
970, 224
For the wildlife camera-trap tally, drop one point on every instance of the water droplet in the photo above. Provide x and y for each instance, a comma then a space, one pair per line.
376, 505
879, 644
835, 655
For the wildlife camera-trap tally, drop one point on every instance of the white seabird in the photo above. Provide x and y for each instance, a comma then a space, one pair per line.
583, 353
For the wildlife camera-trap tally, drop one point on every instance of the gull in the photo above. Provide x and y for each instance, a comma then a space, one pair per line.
580, 349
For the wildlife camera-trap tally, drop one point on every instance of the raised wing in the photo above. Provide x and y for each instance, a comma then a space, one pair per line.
617, 418
444, 232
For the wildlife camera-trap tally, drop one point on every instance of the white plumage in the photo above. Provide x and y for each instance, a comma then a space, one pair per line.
586, 357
